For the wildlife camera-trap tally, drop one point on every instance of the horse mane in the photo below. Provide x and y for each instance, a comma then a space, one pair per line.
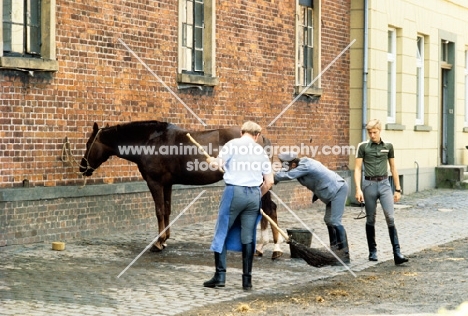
140, 130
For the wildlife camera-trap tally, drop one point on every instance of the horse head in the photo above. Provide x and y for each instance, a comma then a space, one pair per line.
96, 152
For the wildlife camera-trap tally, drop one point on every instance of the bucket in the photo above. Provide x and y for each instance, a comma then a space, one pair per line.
301, 236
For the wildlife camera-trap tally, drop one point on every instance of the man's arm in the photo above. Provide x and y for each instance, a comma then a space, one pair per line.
357, 179
267, 183
396, 179
300, 171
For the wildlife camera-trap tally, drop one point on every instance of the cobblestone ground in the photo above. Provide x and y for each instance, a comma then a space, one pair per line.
83, 279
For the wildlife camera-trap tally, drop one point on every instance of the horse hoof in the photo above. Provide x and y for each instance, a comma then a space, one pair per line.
258, 253
276, 255
155, 248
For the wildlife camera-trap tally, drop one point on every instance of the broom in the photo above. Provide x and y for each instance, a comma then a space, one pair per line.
314, 257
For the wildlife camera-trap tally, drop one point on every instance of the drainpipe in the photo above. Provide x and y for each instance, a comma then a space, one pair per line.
417, 176
364, 70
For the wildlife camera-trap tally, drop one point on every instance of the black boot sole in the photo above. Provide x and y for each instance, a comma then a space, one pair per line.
213, 285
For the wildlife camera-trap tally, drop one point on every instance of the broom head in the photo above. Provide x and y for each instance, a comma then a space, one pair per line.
314, 257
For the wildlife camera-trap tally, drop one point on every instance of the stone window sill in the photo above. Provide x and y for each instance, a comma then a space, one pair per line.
197, 80
311, 91
394, 127
422, 128
28, 64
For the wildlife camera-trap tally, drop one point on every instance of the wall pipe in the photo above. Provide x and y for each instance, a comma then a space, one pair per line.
417, 176
365, 69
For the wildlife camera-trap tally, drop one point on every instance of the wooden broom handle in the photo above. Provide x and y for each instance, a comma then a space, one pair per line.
274, 225
198, 145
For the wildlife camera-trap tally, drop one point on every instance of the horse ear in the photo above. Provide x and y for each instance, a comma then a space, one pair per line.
107, 125
95, 127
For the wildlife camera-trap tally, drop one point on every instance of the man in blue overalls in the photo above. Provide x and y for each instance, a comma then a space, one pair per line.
248, 175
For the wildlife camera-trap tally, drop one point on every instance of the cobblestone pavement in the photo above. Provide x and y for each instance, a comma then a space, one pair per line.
82, 279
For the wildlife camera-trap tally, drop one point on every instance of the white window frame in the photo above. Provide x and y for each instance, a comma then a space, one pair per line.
206, 76
420, 106
391, 75
47, 60
466, 87
300, 85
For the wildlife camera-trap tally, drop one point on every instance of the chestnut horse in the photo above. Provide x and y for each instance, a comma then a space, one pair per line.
165, 156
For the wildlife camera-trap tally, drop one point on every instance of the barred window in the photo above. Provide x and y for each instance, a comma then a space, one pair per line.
21, 27
27, 35
196, 58
308, 47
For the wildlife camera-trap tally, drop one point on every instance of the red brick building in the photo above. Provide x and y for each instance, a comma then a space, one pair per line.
228, 61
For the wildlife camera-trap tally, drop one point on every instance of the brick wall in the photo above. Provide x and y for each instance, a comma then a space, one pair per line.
99, 81
85, 214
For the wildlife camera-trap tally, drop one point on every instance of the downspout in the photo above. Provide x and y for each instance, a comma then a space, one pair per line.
364, 70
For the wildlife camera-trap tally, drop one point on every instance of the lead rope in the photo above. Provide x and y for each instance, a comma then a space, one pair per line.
67, 157
361, 215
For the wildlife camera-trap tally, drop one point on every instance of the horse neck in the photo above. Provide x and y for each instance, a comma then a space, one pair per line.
121, 144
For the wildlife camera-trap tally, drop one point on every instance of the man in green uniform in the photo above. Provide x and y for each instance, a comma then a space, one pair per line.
376, 155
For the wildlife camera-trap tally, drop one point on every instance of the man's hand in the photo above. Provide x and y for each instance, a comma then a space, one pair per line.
267, 183
213, 162
396, 197
359, 196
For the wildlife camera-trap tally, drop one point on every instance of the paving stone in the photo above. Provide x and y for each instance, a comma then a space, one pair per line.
82, 280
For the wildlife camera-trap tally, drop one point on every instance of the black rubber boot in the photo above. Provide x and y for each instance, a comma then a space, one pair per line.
219, 278
397, 256
332, 236
247, 261
342, 243
370, 233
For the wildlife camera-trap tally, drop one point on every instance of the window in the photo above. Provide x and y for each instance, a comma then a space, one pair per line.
308, 47
21, 28
420, 80
306, 51
27, 35
466, 88
445, 51
391, 76
192, 37
196, 57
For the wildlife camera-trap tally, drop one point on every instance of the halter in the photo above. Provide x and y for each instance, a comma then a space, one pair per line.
88, 166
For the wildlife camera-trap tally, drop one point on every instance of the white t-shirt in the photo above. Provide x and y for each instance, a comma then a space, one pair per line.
244, 162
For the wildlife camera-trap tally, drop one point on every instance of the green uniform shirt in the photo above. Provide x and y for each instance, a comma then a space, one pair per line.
375, 157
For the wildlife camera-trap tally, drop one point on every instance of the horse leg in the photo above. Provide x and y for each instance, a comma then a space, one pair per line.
277, 238
158, 196
263, 237
167, 213
269, 207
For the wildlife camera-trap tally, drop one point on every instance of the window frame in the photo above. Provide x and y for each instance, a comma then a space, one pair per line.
420, 78
391, 75
206, 77
466, 87
301, 87
47, 60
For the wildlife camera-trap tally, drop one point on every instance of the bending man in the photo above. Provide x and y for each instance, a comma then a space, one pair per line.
327, 186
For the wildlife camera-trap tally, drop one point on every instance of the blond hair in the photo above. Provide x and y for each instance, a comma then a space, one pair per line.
374, 124
251, 127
